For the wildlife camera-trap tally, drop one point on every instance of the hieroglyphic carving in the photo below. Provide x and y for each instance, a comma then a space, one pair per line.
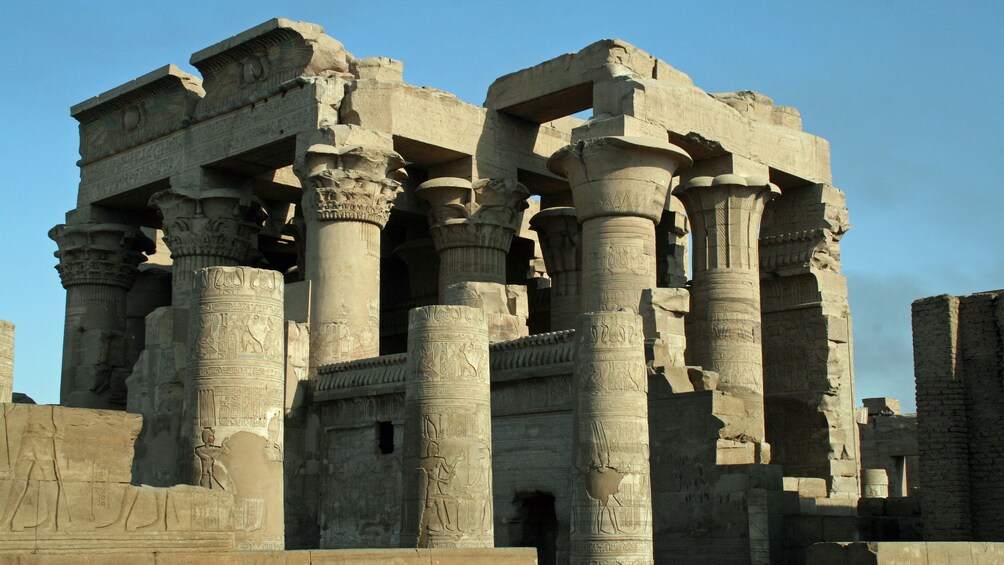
6, 360
64, 479
448, 479
236, 395
611, 518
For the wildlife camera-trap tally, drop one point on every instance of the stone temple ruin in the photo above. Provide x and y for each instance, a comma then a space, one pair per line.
320, 308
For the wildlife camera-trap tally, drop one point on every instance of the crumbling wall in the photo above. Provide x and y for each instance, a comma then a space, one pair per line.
957, 351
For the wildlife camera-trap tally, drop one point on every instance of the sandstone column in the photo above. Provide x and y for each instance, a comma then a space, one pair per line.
874, 483
347, 196
214, 227
561, 243
6, 361
724, 328
447, 496
97, 266
611, 489
472, 225
234, 398
619, 186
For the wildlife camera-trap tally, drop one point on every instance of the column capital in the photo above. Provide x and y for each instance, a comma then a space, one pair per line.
99, 253
484, 213
219, 222
619, 176
724, 209
560, 238
355, 183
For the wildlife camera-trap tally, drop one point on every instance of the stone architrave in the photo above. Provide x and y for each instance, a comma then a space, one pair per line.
212, 228
619, 187
472, 225
611, 494
347, 196
234, 399
447, 496
561, 243
97, 266
6, 361
724, 328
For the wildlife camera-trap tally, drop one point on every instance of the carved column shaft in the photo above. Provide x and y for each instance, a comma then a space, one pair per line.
619, 263
447, 496
234, 400
97, 266
345, 279
611, 486
561, 243
6, 361
619, 186
724, 328
347, 200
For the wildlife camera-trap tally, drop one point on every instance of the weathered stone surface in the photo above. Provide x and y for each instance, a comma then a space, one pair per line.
438, 556
293, 127
97, 266
153, 105
65, 484
724, 328
957, 344
619, 186
211, 228
560, 238
611, 491
905, 553
349, 191
472, 225
448, 448
6, 361
260, 61
234, 405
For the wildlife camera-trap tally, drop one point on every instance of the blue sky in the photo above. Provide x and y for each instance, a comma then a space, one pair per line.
908, 93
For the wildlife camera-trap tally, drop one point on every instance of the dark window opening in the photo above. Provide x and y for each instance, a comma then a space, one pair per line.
385, 435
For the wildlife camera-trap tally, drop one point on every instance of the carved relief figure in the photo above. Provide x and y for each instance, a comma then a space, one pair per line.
36, 463
213, 474
438, 474
603, 483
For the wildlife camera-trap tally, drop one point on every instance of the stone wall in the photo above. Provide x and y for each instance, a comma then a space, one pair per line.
957, 344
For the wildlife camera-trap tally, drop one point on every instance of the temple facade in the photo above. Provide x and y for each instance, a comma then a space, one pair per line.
378, 316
